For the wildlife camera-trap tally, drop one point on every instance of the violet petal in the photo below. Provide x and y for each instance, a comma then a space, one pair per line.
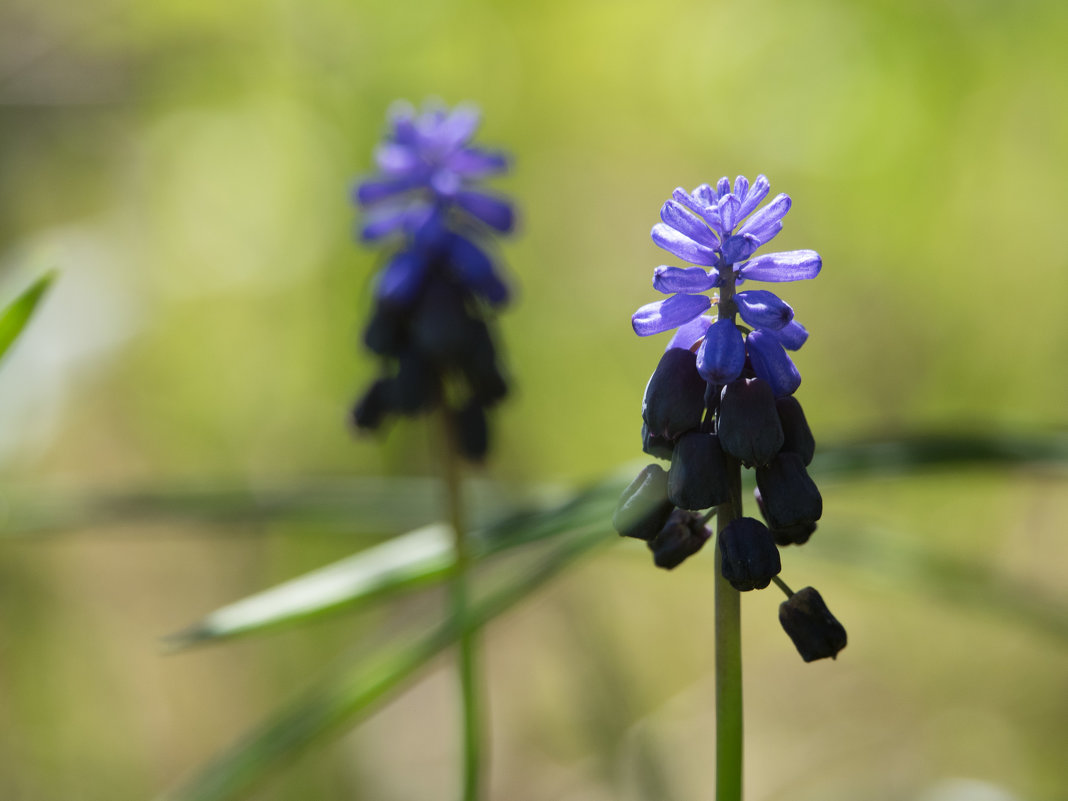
790, 265
676, 216
689, 333
763, 309
772, 364
493, 211
680, 245
663, 315
670, 280
722, 354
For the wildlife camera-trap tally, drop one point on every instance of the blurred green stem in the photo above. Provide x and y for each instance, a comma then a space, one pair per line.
728, 624
471, 717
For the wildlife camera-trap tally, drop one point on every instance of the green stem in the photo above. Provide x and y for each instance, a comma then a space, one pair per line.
471, 716
728, 622
728, 636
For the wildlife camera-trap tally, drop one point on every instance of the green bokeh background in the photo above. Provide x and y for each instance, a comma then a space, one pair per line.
186, 166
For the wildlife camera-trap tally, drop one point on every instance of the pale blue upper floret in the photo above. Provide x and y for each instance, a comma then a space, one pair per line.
717, 229
426, 166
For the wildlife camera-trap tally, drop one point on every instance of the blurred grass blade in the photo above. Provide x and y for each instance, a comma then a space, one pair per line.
361, 506
339, 701
14, 318
411, 560
908, 452
402, 562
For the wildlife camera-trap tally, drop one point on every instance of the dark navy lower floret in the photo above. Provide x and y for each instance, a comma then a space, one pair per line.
816, 633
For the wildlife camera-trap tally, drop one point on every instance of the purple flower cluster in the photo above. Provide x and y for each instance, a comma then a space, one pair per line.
435, 294
722, 396
720, 229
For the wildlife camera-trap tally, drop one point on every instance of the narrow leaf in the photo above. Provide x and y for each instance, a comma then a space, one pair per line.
402, 562
14, 318
339, 701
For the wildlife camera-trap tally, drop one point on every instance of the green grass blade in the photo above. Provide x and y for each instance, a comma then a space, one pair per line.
341, 700
373, 506
14, 318
405, 562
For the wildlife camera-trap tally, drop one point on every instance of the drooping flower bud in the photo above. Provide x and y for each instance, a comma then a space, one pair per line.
441, 327
479, 365
748, 556
416, 385
816, 633
789, 496
472, 434
790, 535
681, 537
386, 333
797, 436
660, 447
644, 508
698, 475
371, 407
748, 423
674, 399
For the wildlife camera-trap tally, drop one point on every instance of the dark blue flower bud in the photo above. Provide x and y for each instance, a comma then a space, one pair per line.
797, 436
674, 399
748, 556
790, 535
371, 408
789, 496
748, 423
812, 627
660, 447
472, 435
386, 334
416, 385
644, 507
681, 537
441, 327
479, 365
698, 476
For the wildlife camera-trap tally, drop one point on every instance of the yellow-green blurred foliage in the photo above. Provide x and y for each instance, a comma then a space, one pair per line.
185, 165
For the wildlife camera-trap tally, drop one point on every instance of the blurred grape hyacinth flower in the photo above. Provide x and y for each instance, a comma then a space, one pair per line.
435, 295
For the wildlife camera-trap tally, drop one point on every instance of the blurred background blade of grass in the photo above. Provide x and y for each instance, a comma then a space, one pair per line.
185, 166
15, 316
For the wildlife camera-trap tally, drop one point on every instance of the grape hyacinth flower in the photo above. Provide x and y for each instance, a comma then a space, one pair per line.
720, 230
722, 396
431, 323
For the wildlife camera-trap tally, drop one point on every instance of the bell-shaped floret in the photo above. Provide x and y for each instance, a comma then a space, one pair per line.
698, 476
797, 436
472, 434
816, 633
644, 508
681, 537
675, 395
372, 406
789, 496
654, 445
386, 334
748, 556
790, 535
416, 386
721, 357
748, 423
442, 329
479, 366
